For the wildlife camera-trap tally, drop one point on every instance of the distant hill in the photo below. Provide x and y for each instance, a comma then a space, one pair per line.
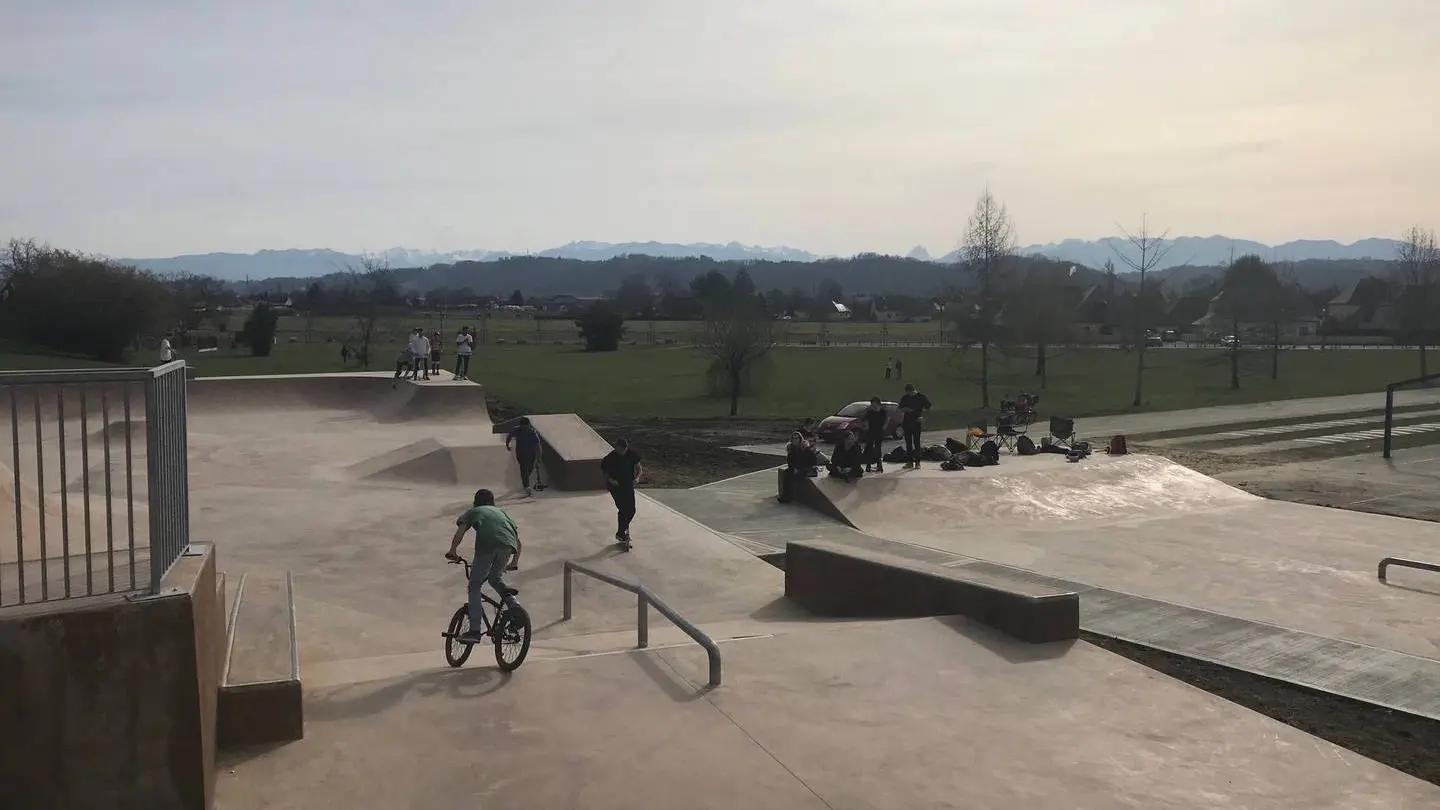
1213, 251
267, 264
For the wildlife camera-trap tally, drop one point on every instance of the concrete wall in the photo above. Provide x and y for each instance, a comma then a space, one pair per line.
110, 703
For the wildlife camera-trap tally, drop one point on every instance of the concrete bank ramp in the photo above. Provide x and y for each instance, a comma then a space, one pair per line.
1029, 490
430, 461
376, 395
66, 531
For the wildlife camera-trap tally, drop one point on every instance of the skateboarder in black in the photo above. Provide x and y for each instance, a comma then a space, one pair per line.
913, 407
622, 468
526, 441
877, 419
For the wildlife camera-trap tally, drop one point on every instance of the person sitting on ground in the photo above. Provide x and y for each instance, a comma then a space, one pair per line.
848, 459
807, 429
877, 420
497, 550
800, 462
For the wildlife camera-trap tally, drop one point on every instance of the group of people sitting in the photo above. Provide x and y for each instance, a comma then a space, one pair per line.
421, 356
850, 460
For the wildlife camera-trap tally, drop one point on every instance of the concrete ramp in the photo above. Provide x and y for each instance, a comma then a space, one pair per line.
430, 461
1026, 490
69, 527
376, 395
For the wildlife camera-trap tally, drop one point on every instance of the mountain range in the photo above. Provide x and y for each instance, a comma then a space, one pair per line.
1209, 251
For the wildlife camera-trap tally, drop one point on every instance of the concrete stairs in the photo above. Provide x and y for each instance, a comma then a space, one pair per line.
260, 698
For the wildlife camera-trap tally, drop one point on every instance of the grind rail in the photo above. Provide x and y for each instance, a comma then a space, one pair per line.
644, 601
1404, 563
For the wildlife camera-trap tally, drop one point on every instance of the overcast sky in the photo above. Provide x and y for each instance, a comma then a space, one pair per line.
154, 127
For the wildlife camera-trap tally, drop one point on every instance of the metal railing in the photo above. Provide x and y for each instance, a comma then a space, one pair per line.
1404, 563
644, 600
79, 532
1390, 407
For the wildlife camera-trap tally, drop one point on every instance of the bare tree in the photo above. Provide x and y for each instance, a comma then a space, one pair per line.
988, 248
1285, 302
1149, 251
737, 334
374, 286
1249, 292
1419, 259
1041, 311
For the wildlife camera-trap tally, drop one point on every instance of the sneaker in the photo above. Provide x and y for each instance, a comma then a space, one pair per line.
472, 637
528, 493
879, 468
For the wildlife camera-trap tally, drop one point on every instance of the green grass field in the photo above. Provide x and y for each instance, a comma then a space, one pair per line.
511, 330
669, 381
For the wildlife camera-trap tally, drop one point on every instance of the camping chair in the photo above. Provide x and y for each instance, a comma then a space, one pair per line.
1062, 431
972, 442
1009, 430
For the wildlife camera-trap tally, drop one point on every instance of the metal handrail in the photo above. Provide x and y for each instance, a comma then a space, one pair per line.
642, 614
88, 375
1404, 563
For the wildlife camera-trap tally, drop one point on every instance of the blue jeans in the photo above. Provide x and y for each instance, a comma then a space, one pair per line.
488, 567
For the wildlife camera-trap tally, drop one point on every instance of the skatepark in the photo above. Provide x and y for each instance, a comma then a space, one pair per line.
328, 501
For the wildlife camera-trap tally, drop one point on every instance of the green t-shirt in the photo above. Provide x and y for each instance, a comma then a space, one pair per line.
494, 530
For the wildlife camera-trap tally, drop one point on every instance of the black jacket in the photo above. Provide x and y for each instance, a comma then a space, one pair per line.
848, 457
918, 404
799, 458
876, 422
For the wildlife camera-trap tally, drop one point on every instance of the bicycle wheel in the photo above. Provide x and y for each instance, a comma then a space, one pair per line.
512, 638
456, 651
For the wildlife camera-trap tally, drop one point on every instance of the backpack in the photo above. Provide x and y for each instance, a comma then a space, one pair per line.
952, 463
1024, 446
991, 451
936, 452
955, 446
896, 455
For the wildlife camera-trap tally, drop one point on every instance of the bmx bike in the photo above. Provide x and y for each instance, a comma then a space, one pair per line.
509, 630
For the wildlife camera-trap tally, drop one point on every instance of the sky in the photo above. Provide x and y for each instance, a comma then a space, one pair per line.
158, 127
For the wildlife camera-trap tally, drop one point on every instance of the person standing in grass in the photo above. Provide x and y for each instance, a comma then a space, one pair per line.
464, 347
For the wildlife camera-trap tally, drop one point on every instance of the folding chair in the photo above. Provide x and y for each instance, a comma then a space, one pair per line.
1009, 432
1062, 432
973, 442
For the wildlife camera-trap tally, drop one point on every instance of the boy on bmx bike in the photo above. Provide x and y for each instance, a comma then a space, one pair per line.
497, 550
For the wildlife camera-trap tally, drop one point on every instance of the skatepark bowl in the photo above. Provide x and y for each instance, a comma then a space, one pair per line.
313, 594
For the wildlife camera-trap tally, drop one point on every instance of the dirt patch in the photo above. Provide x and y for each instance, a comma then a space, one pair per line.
1404, 742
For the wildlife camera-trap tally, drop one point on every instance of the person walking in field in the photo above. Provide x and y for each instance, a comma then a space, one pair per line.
622, 468
464, 347
889, 367
913, 407
526, 441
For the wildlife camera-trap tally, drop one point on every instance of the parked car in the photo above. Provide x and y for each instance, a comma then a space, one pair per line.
1170, 336
1229, 341
1153, 340
852, 418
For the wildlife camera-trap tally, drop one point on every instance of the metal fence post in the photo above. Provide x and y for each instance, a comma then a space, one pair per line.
568, 596
642, 620
1389, 417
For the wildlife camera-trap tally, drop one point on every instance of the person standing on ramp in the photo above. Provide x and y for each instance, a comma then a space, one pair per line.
526, 441
913, 407
877, 421
622, 469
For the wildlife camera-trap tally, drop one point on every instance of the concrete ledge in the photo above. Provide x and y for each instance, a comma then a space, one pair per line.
843, 581
255, 713
570, 450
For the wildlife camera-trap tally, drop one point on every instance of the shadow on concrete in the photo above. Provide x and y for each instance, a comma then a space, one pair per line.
1010, 649
675, 686
363, 700
556, 568
782, 609
1433, 591
236, 757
